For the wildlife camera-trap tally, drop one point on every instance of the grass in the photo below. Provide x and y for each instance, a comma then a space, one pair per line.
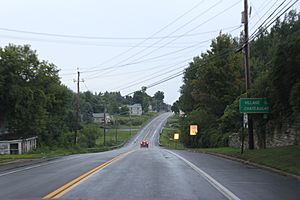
134, 121
122, 136
282, 158
167, 135
166, 139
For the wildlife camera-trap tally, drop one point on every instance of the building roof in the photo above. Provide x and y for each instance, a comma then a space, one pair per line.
5, 137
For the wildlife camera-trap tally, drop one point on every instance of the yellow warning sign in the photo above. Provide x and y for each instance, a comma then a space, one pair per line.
193, 129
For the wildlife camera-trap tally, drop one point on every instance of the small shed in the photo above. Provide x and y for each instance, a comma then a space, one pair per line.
15, 144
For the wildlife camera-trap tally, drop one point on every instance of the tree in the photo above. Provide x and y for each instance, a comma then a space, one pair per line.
175, 107
159, 99
32, 97
87, 112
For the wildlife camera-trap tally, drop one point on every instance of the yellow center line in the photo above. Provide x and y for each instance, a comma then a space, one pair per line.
72, 184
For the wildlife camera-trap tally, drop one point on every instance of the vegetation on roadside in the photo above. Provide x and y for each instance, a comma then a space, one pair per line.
35, 102
166, 138
215, 81
90, 139
281, 158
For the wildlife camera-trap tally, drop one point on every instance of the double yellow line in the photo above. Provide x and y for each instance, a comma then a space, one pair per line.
72, 184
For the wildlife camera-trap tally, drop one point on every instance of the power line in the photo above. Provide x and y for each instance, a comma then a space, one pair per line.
150, 77
104, 37
155, 33
145, 60
226, 9
269, 15
260, 17
185, 24
172, 76
254, 34
181, 73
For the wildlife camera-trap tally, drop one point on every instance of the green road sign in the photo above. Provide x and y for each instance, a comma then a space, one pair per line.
254, 105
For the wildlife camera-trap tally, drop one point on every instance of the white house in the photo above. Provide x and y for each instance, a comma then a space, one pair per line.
135, 109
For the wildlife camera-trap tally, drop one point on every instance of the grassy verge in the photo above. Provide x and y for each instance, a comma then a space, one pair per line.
134, 122
281, 158
112, 138
167, 136
166, 139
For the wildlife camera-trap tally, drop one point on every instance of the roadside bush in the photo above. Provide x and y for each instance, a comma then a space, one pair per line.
89, 135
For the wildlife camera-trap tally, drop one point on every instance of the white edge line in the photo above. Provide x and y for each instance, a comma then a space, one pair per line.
227, 193
72, 157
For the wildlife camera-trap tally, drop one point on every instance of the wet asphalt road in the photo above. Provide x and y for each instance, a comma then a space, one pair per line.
155, 173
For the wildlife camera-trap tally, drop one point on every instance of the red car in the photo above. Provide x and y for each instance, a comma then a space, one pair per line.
145, 144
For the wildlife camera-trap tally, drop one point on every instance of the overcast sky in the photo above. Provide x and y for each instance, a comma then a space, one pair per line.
122, 45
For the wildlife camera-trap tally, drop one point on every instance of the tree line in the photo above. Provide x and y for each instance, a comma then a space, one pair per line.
215, 81
35, 102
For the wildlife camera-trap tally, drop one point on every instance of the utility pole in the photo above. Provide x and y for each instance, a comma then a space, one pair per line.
130, 123
116, 134
77, 108
104, 130
247, 71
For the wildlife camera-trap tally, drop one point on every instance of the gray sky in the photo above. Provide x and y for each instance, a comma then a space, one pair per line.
124, 44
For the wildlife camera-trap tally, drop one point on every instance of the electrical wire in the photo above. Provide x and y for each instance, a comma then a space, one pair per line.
182, 26
226, 9
272, 20
104, 37
152, 35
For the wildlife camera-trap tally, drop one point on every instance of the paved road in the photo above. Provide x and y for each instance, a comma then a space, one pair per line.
155, 173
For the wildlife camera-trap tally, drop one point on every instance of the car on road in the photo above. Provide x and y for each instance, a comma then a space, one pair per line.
144, 144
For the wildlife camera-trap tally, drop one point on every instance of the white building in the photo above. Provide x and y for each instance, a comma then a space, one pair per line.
135, 109
10, 144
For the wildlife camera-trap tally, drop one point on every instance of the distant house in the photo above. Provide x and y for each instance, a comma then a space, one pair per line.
135, 109
150, 108
13, 144
98, 118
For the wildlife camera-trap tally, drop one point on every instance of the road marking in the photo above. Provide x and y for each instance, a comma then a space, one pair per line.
227, 193
72, 184
35, 166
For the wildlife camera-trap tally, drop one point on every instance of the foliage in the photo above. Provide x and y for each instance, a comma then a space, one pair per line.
214, 82
32, 97
89, 135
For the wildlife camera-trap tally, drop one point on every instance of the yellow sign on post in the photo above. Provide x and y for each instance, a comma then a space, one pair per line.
193, 129
176, 136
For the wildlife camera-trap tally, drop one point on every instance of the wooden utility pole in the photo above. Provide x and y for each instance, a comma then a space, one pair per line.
77, 108
104, 130
247, 71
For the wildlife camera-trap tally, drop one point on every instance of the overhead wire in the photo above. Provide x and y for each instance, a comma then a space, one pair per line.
181, 73
180, 27
152, 35
224, 10
145, 60
264, 26
138, 81
102, 37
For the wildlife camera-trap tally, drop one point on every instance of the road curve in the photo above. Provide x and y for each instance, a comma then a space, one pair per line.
133, 173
